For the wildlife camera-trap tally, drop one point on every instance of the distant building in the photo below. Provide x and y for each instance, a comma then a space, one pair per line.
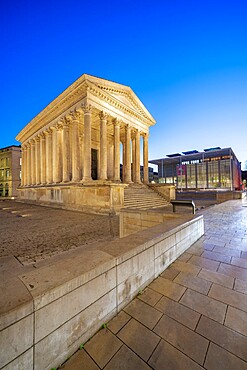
10, 170
214, 168
244, 179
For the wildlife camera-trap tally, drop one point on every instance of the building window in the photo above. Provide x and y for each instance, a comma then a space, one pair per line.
1, 174
7, 173
1, 190
2, 162
7, 162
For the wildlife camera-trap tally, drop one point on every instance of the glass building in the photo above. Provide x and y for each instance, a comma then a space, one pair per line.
214, 168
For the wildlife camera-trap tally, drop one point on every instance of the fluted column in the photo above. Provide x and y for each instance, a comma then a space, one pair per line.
116, 150
134, 159
57, 160
137, 158
42, 159
23, 164
54, 153
123, 160
127, 169
103, 146
145, 159
66, 151
37, 159
33, 163
75, 150
29, 164
87, 143
22, 167
49, 156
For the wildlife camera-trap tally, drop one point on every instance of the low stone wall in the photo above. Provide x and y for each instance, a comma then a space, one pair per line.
216, 196
168, 192
133, 220
91, 198
47, 312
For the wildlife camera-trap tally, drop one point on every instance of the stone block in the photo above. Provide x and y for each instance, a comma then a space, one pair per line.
63, 342
164, 245
16, 339
51, 316
135, 264
24, 361
129, 288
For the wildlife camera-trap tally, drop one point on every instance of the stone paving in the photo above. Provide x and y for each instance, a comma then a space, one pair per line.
193, 316
32, 233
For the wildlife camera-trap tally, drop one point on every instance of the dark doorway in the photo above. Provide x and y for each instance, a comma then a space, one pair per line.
94, 164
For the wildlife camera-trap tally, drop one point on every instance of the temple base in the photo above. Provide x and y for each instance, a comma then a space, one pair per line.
91, 198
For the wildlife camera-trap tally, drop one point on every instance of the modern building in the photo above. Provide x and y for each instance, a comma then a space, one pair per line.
213, 168
10, 170
72, 149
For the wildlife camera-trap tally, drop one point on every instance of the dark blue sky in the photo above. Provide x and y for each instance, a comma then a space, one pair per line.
186, 61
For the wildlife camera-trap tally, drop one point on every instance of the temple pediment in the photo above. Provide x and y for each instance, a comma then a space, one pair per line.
121, 93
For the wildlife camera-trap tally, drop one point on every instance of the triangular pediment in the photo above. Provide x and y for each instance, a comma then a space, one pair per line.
124, 94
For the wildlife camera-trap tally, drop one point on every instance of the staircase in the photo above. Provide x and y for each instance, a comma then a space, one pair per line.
142, 197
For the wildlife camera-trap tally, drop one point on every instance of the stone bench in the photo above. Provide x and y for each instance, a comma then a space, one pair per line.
183, 203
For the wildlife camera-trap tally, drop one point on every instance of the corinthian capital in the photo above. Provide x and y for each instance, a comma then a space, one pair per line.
87, 108
49, 131
76, 115
103, 116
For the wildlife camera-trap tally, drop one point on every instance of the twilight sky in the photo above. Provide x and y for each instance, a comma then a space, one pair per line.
185, 60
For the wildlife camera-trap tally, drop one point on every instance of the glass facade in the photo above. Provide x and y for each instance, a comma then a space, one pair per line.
211, 169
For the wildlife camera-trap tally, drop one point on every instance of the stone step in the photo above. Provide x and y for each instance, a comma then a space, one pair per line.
140, 196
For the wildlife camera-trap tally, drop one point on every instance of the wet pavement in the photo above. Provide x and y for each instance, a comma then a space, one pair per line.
193, 316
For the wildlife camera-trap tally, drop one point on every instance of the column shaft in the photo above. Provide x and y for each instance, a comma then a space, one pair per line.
134, 159
75, 150
22, 166
87, 145
33, 164
37, 159
145, 159
103, 146
43, 159
127, 155
137, 158
66, 152
116, 151
54, 154
29, 164
57, 151
49, 157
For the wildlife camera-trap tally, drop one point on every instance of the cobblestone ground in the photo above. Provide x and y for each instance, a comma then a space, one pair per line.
193, 316
32, 233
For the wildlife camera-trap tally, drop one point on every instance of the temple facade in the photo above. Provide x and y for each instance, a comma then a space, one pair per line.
72, 150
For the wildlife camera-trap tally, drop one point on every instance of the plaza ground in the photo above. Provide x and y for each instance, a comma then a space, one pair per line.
33, 233
193, 316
